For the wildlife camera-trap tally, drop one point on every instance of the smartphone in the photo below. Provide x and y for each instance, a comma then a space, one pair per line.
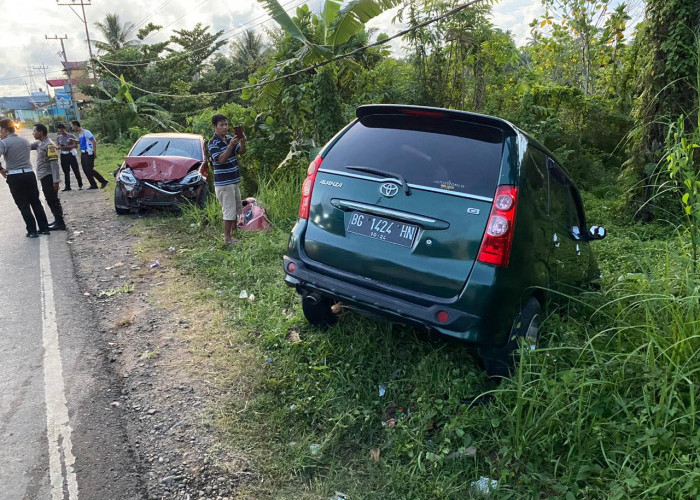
238, 131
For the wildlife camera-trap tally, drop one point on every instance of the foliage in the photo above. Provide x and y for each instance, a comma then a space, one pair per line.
607, 408
116, 34
664, 87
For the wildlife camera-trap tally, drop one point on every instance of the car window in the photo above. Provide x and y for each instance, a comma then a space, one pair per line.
167, 146
453, 155
537, 178
565, 209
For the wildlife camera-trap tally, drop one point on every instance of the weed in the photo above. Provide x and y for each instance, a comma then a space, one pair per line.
126, 288
607, 410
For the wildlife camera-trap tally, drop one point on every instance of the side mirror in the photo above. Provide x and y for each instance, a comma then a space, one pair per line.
597, 233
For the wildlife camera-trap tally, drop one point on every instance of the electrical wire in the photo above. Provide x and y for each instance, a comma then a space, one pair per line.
309, 68
143, 21
143, 62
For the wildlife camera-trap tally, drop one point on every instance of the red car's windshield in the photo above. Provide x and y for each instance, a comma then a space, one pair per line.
167, 146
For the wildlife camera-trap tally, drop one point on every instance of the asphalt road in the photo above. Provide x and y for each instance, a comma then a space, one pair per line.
61, 437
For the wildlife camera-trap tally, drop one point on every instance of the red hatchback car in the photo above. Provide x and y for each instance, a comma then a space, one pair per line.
162, 170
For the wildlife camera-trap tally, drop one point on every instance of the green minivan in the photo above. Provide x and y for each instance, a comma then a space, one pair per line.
455, 221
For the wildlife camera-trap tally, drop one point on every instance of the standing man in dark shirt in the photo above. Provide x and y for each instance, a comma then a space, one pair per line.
88, 153
21, 179
66, 145
224, 151
48, 174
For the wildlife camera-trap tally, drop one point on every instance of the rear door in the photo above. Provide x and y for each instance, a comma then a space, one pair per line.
569, 258
403, 201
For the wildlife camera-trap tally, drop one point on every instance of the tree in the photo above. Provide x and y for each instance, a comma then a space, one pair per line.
116, 34
248, 52
330, 31
665, 87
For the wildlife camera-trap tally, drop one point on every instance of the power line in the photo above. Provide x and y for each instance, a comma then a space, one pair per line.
162, 6
315, 66
236, 35
20, 77
187, 11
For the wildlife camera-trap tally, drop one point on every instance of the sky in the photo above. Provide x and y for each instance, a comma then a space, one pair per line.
26, 53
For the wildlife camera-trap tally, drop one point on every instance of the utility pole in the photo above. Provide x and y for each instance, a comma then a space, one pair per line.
70, 79
43, 67
30, 74
82, 3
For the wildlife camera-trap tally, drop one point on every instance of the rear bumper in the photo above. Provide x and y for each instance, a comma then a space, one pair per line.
460, 324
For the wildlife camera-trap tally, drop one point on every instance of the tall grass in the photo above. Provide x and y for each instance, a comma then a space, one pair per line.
607, 410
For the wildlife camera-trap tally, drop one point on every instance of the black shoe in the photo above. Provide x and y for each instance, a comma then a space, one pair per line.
33, 234
45, 231
55, 226
92, 187
104, 183
66, 189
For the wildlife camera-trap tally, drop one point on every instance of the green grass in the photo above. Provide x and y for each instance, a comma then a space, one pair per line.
607, 409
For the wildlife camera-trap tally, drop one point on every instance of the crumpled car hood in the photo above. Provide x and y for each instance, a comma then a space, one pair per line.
160, 168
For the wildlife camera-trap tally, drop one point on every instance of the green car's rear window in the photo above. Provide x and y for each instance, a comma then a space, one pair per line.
453, 155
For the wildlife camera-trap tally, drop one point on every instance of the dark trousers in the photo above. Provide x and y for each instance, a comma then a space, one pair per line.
26, 195
69, 162
52, 198
91, 174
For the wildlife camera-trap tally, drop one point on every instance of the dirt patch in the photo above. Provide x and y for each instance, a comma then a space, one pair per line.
157, 327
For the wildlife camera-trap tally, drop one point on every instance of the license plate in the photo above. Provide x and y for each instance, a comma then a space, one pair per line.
383, 229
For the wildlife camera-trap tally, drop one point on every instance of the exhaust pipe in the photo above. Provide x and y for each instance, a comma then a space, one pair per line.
312, 299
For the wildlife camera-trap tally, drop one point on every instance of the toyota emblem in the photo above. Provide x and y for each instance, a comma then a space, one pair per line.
388, 189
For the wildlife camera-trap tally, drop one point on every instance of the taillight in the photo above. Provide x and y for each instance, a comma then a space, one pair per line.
498, 238
308, 187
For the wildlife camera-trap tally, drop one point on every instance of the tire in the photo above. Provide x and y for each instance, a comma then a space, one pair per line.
203, 196
498, 361
121, 206
317, 311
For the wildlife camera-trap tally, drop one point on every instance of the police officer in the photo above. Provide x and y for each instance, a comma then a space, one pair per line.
21, 179
48, 174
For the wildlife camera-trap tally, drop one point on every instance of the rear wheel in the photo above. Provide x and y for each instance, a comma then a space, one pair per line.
317, 311
498, 361
121, 206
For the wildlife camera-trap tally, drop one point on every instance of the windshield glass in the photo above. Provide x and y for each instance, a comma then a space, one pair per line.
452, 155
167, 146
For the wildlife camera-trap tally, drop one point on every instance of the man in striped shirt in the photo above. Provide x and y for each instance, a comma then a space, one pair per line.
224, 151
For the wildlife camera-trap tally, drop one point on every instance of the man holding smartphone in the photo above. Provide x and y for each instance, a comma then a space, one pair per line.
224, 151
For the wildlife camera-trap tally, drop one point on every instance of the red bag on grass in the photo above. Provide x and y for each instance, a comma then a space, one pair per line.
253, 217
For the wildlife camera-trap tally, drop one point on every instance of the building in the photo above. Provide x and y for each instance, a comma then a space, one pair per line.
25, 107
78, 71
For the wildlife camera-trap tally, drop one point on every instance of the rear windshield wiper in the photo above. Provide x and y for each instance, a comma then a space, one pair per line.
384, 173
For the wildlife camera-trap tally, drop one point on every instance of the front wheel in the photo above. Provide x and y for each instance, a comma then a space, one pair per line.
498, 361
203, 195
121, 205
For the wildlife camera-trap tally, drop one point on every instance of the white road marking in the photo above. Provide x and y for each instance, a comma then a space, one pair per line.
58, 429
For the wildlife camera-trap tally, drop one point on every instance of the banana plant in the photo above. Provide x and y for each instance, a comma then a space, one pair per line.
336, 25
140, 110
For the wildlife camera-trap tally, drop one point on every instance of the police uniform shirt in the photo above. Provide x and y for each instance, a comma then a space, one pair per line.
46, 159
15, 149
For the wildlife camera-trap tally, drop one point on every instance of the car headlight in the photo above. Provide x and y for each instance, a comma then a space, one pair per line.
191, 179
127, 177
